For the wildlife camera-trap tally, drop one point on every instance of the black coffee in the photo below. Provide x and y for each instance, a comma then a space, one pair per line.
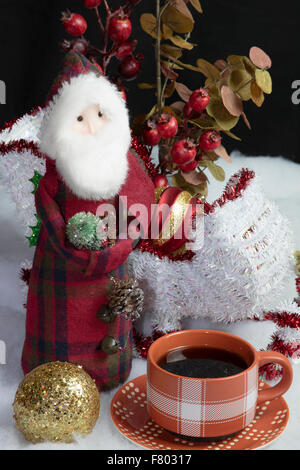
203, 363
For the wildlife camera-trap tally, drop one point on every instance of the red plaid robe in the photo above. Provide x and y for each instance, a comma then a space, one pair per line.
68, 286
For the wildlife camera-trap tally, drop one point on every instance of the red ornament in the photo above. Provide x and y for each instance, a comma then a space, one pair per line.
189, 112
119, 28
151, 135
129, 67
160, 181
210, 140
74, 23
125, 48
92, 3
167, 126
183, 152
199, 99
189, 166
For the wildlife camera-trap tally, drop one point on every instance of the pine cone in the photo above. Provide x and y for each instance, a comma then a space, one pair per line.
126, 298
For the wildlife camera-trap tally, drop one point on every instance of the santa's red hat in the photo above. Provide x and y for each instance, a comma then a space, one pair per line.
74, 65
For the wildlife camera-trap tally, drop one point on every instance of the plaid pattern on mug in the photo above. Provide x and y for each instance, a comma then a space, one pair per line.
191, 406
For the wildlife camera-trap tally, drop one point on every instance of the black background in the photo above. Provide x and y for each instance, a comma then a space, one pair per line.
30, 31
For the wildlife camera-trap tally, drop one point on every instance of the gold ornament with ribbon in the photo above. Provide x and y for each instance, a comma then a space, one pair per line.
169, 230
55, 401
297, 262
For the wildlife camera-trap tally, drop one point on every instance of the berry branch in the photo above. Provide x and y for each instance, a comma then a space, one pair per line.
189, 132
115, 27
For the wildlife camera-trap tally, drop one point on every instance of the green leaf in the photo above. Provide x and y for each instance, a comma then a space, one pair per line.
177, 21
180, 182
204, 122
240, 82
257, 94
209, 70
146, 86
197, 5
172, 52
35, 180
35, 232
149, 24
181, 42
217, 171
151, 112
232, 135
264, 80
224, 119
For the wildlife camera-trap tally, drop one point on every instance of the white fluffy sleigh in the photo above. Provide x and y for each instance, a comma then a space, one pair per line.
243, 266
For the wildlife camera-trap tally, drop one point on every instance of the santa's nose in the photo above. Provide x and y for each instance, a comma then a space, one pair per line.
92, 128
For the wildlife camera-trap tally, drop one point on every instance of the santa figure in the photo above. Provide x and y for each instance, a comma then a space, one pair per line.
85, 136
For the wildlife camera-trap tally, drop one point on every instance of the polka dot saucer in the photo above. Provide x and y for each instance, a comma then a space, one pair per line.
130, 416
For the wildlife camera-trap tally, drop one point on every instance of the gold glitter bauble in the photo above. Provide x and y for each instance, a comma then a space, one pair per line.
55, 401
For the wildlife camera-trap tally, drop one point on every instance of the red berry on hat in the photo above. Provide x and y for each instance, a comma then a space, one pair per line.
167, 126
129, 67
183, 152
119, 28
74, 23
92, 3
199, 99
189, 166
160, 180
210, 140
150, 134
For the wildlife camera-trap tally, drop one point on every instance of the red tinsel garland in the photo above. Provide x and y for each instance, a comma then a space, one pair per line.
270, 372
144, 155
287, 349
25, 275
282, 319
233, 190
20, 146
147, 245
143, 343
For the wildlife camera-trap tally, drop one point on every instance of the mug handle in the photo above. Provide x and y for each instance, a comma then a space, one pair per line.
266, 357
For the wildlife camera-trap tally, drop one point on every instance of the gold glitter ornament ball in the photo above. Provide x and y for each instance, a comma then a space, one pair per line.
55, 401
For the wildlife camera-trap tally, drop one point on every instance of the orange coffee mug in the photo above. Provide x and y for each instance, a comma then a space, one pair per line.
211, 407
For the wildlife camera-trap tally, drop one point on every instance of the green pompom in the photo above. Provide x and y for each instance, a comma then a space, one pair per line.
85, 230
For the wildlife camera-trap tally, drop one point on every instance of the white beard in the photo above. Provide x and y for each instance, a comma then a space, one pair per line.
93, 167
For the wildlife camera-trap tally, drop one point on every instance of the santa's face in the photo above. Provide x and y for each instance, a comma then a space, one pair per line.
86, 131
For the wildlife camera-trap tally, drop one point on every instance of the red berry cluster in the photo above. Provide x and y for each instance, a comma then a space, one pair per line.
197, 103
185, 152
166, 127
117, 28
74, 23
